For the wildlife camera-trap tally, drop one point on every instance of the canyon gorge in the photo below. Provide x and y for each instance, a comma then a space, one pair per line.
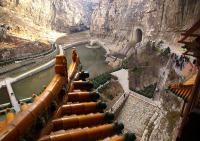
127, 46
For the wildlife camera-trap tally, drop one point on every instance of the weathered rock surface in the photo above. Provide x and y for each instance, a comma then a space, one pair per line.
157, 19
56, 14
72, 13
36, 20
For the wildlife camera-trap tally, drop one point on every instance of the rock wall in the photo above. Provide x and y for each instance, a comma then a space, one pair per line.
37, 11
55, 14
157, 19
72, 13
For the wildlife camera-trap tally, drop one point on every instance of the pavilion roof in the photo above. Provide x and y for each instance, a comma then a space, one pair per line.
183, 90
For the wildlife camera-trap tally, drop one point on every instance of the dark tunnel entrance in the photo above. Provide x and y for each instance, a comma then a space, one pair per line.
138, 35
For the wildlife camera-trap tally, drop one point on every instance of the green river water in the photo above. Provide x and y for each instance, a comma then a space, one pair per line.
93, 60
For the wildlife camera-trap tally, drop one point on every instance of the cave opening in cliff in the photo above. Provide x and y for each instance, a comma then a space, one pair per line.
138, 35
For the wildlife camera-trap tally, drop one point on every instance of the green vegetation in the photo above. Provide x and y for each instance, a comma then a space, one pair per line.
166, 52
147, 91
137, 71
101, 79
159, 44
124, 64
2, 116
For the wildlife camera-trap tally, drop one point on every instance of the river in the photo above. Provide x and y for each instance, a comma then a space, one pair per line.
93, 61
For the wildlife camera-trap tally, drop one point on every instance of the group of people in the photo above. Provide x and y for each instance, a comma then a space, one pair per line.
181, 61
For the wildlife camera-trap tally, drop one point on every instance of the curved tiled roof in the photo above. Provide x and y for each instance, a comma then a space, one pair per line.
183, 90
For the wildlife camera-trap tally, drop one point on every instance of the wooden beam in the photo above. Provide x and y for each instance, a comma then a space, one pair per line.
191, 35
183, 108
189, 54
190, 105
191, 30
184, 42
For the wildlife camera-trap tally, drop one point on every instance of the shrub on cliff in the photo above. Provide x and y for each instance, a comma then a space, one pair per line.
148, 91
101, 79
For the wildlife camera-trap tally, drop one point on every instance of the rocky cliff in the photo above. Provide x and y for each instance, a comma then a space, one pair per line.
72, 13
35, 22
157, 19
48, 14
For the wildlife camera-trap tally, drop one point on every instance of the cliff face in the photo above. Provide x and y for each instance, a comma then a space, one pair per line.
157, 19
50, 14
115, 21
71, 13
37, 11
33, 21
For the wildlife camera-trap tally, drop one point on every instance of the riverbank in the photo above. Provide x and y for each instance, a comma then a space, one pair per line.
34, 61
42, 67
15, 68
88, 63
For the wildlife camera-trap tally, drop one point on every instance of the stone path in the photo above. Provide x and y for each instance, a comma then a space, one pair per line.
122, 76
136, 114
138, 110
118, 104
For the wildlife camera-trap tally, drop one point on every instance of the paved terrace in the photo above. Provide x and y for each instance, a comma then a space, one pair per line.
122, 76
137, 110
136, 114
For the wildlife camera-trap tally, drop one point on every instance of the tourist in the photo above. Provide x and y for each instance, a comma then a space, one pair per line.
177, 63
181, 65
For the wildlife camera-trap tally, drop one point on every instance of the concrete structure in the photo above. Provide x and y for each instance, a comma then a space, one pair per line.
13, 99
